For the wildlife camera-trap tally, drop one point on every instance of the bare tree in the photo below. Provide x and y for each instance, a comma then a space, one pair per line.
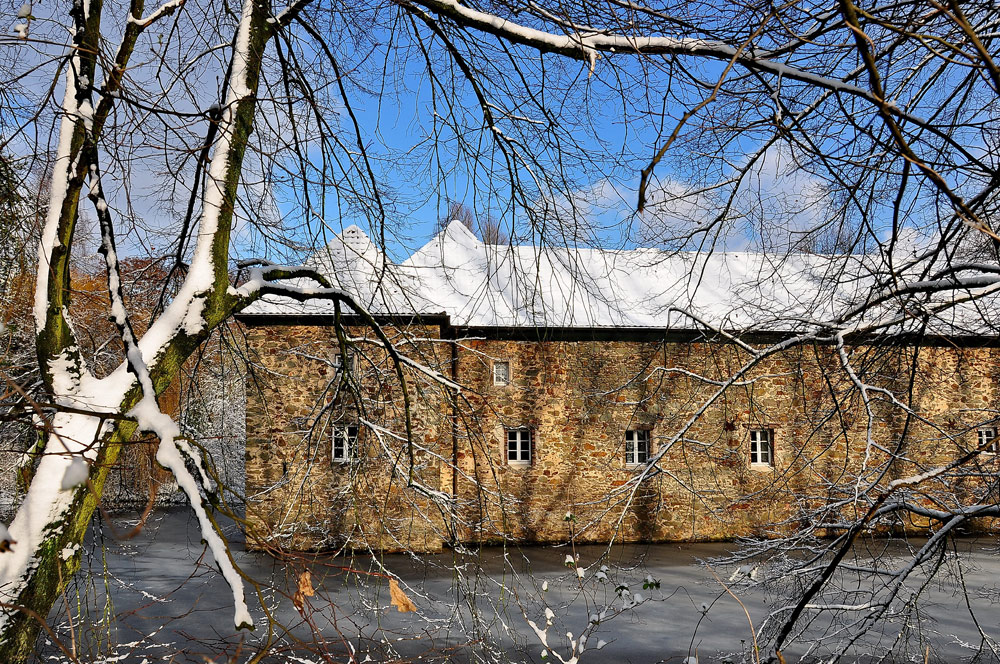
865, 130
487, 229
88, 429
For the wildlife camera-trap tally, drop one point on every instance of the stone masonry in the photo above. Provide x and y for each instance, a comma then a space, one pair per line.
577, 393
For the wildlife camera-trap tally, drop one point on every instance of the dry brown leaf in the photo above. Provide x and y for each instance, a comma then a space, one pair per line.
305, 584
399, 598
304, 590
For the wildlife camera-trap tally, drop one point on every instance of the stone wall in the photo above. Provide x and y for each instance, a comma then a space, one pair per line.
298, 496
578, 398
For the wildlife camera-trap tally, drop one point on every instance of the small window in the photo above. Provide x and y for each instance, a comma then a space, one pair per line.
636, 447
345, 443
519, 447
761, 448
501, 373
988, 440
342, 361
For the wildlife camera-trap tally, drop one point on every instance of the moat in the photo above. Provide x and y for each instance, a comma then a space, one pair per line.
168, 603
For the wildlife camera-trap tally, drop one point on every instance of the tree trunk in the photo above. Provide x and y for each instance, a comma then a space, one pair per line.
51, 523
58, 557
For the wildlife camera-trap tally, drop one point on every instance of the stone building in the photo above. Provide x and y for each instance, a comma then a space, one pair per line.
528, 390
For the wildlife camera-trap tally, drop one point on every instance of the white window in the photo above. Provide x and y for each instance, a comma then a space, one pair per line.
343, 361
501, 373
519, 447
761, 448
636, 447
988, 440
345, 443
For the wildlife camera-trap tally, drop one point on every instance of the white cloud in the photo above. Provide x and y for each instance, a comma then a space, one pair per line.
785, 206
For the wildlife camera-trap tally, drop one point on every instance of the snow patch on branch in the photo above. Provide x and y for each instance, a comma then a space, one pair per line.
194, 321
433, 374
63, 165
163, 10
585, 43
76, 474
174, 454
285, 15
65, 372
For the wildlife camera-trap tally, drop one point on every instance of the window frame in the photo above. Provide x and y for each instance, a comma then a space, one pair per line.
524, 442
506, 380
348, 433
990, 444
758, 437
339, 364
637, 444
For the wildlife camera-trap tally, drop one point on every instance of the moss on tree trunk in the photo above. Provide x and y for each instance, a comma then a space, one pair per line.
51, 573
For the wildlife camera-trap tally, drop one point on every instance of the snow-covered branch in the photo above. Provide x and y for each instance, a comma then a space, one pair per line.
166, 9
586, 45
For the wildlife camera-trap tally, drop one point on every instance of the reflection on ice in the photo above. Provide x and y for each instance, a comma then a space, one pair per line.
155, 598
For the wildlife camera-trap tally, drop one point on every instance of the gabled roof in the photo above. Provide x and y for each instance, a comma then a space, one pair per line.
485, 285
498, 285
352, 262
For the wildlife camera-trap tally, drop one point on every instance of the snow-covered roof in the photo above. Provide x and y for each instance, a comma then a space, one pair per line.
485, 285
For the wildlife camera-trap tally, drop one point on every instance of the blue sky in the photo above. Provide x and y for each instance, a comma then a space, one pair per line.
607, 136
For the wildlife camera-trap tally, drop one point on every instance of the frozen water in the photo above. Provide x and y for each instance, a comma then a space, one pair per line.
167, 604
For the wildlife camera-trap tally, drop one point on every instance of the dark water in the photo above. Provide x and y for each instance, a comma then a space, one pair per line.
158, 598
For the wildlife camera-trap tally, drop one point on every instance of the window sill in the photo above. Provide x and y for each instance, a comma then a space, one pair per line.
518, 464
762, 467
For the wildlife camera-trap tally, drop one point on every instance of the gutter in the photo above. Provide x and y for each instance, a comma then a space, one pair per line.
454, 432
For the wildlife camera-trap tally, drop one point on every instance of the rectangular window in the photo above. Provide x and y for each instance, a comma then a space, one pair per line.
343, 362
636, 447
761, 448
501, 373
345, 443
519, 446
988, 440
